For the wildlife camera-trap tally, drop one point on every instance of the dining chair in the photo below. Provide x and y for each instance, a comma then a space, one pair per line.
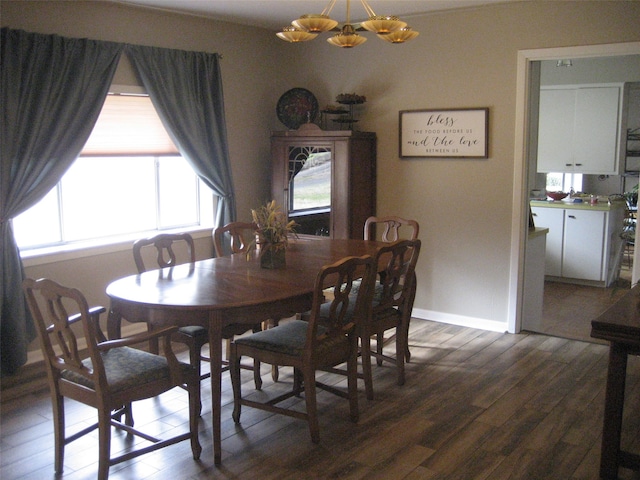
106, 375
238, 236
167, 247
395, 228
312, 345
392, 301
393, 297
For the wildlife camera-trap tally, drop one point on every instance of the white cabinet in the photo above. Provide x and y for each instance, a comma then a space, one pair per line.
583, 244
555, 130
579, 129
582, 252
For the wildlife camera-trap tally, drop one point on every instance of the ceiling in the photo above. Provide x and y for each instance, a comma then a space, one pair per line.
274, 14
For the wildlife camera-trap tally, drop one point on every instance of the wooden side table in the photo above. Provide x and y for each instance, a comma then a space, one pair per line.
620, 325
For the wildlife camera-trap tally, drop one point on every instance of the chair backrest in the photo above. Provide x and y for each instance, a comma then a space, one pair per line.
345, 311
395, 228
166, 245
50, 304
397, 280
240, 236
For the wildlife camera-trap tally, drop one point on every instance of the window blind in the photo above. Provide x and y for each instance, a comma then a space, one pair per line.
129, 125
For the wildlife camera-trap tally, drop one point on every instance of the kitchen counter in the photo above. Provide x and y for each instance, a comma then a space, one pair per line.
583, 244
585, 205
538, 231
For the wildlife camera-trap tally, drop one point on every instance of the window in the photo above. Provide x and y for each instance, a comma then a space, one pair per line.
564, 182
128, 181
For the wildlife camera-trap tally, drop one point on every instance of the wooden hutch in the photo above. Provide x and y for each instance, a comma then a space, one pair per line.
325, 180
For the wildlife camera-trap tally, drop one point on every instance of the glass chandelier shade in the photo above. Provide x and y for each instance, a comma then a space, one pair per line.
382, 25
308, 26
295, 35
347, 38
315, 23
400, 36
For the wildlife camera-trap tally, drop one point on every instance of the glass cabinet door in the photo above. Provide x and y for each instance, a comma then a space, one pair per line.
309, 176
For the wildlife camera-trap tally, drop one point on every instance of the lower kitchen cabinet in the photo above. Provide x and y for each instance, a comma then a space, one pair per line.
582, 250
583, 243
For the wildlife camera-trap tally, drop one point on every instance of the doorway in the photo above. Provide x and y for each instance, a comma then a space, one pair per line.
527, 85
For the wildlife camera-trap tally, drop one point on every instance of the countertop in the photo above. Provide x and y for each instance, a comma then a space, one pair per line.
538, 231
585, 205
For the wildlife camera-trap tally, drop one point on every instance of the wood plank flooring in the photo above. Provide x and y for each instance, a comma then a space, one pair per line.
569, 308
476, 405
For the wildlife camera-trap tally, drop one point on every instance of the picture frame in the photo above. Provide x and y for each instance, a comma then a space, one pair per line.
444, 133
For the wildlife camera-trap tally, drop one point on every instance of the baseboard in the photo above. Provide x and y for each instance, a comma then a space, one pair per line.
460, 320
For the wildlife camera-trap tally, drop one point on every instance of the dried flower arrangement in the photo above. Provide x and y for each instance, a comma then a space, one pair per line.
273, 232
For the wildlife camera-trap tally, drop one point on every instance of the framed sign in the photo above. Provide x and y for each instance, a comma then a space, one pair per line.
456, 133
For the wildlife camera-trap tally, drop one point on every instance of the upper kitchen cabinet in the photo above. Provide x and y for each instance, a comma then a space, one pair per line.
579, 129
325, 180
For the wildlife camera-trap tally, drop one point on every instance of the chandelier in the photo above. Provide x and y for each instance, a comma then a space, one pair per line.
308, 26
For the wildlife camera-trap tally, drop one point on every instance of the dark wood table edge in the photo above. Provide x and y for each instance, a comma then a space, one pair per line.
624, 340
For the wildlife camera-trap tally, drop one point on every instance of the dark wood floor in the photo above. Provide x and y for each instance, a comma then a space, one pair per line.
569, 308
476, 405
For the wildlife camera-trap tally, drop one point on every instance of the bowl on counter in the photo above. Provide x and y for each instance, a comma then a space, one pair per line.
557, 196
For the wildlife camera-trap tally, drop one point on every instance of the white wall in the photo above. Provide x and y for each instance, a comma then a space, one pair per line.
461, 59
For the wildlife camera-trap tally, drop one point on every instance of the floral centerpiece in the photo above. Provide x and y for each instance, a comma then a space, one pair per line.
273, 234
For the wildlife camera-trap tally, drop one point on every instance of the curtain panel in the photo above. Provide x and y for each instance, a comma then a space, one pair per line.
186, 90
51, 92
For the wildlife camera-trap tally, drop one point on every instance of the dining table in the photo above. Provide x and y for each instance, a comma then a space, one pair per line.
227, 290
620, 326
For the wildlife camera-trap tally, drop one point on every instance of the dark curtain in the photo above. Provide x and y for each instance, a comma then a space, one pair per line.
52, 90
186, 90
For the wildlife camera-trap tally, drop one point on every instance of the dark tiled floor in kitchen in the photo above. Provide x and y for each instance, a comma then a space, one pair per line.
568, 309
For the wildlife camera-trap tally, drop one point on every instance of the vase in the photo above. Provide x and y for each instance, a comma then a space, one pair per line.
273, 256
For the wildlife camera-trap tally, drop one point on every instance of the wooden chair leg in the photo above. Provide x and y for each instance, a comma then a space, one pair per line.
352, 385
194, 413
59, 429
275, 373
128, 415
228, 349
154, 346
298, 382
257, 378
379, 345
311, 404
195, 354
104, 442
401, 348
365, 350
234, 370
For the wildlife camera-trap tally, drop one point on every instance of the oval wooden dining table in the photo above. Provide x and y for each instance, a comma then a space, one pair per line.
226, 290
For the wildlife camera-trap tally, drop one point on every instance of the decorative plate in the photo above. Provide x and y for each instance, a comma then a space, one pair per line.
297, 106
